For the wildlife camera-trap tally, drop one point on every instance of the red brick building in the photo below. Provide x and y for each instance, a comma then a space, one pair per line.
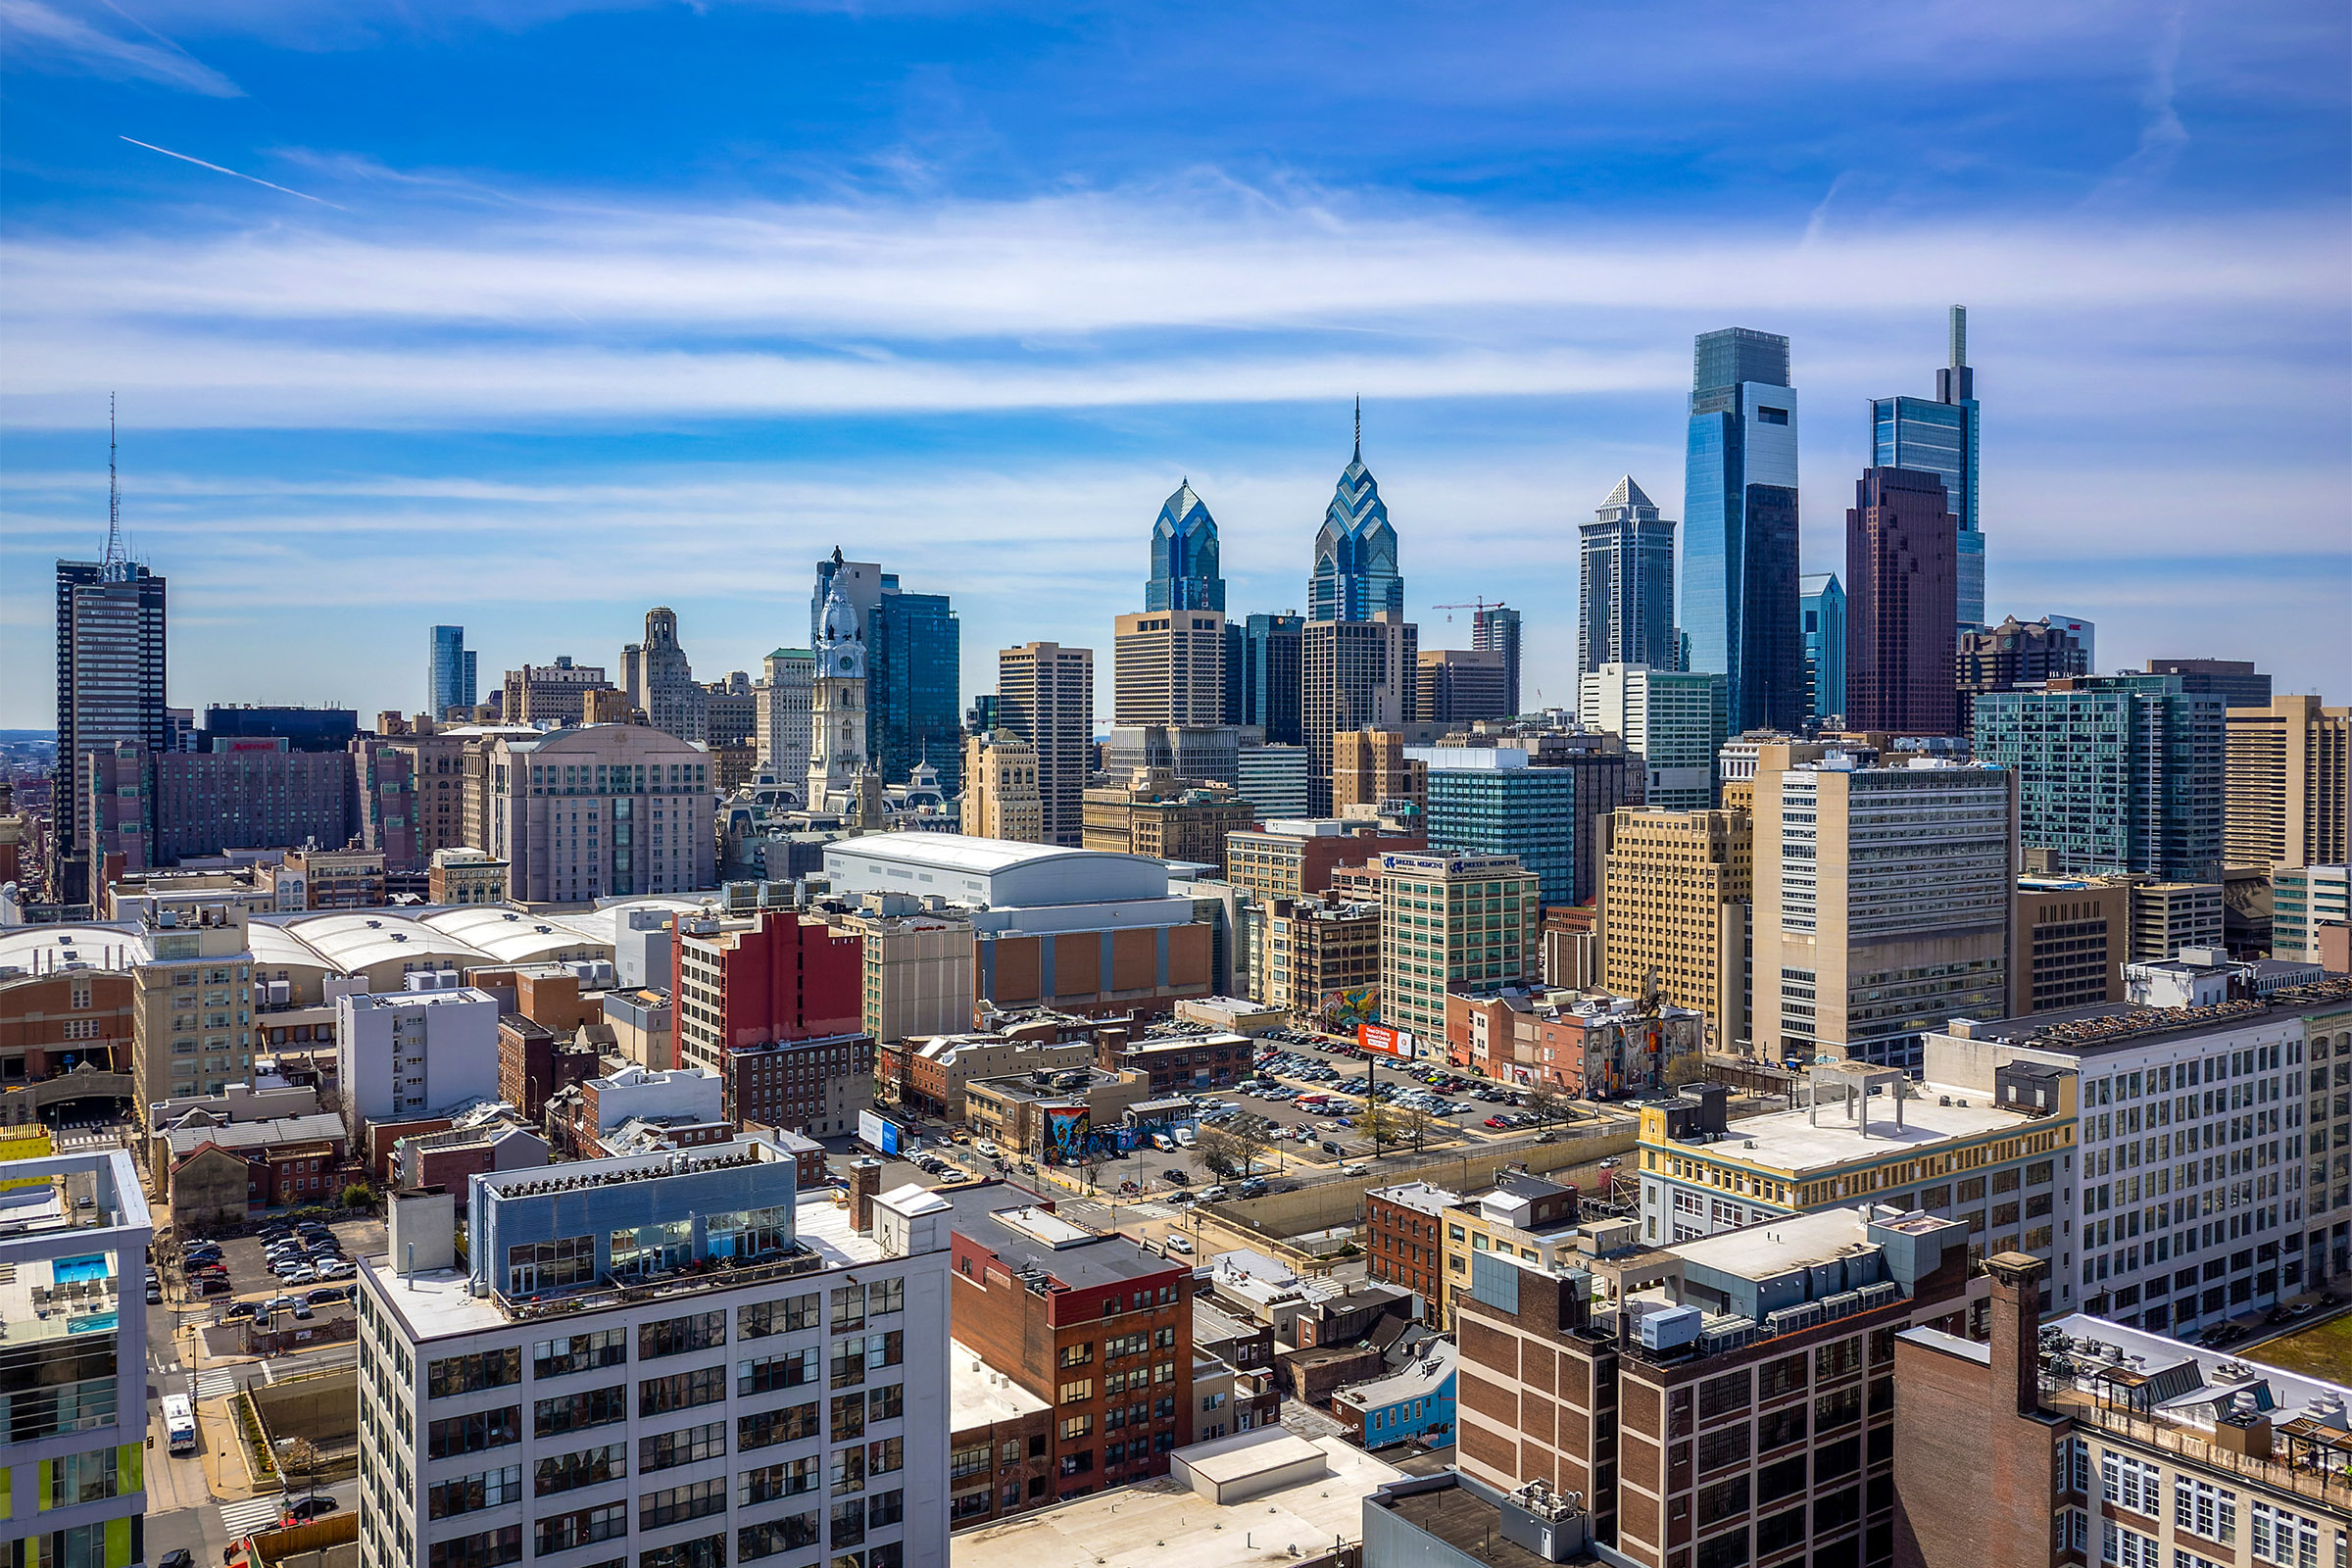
57, 1019
531, 1065
1404, 1240
772, 975
1093, 1324
1176, 1063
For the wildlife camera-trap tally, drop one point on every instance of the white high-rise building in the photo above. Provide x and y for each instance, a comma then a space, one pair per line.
1673, 718
406, 1054
787, 678
676, 1360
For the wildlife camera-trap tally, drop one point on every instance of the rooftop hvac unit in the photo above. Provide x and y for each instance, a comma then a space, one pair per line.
1670, 1328
1789, 1319
1843, 1304
1728, 1333
1879, 1293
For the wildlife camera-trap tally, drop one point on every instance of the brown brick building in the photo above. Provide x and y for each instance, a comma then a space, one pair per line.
1404, 1240
1095, 1326
55, 1020
1176, 1063
1297, 857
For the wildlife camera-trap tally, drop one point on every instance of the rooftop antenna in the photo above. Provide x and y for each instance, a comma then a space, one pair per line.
114, 567
1360, 426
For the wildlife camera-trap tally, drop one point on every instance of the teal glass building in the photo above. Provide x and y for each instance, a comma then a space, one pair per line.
1355, 575
1739, 522
1821, 603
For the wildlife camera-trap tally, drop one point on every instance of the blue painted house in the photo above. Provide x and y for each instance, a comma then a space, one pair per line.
1416, 1401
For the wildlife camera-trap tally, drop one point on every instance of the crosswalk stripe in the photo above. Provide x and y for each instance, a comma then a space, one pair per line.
216, 1383
252, 1514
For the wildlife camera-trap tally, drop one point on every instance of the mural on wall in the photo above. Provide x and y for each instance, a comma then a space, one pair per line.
1342, 1011
1067, 1134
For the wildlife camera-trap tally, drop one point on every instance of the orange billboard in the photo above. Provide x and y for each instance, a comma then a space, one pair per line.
1384, 1039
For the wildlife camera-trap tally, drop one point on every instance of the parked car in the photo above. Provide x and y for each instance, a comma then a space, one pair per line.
213, 1285
1177, 1244
301, 1274
312, 1508
326, 1295
238, 1309
1353, 1169
1177, 1174
155, 1293
302, 1313
1330, 1148
176, 1558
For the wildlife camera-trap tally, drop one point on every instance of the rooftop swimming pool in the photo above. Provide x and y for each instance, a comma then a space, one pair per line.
66, 1270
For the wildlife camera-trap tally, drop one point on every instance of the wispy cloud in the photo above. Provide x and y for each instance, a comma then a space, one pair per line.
217, 168
2162, 136
46, 34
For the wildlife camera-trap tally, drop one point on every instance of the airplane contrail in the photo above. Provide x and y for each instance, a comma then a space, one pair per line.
218, 170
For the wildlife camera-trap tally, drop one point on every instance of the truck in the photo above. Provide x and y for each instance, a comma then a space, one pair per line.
180, 1423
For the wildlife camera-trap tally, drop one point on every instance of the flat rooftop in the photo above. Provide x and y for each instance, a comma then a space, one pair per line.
1027, 1234
1163, 1523
980, 1396
1821, 1137
1779, 1247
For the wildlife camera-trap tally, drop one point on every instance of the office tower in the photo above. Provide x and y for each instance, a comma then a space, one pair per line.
303, 730
2288, 784
2072, 935
2014, 654
981, 716
1540, 798
1269, 675
616, 811
1465, 923
1355, 575
730, 712
176, 1050
1624, 588
75, 1458
1046, 696
2234, 680
2114, 772
1000, 799
384, 815
1674, 887
1821, 601
448, 675
1354, 673
1938, 436
1899, 628
645, 1341
1273, 779
1168, 668
1883, 903
1672, 719
550, 694
1494, 629
110, 690
1298, 859
1207, 754
2304, 900
784, 692
838, 710
1459, 686
1739, 528
2168, 916
658, 678
1371, 776
913, 644
1184, 556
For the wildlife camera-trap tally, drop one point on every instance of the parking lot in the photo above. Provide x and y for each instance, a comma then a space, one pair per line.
252, 1281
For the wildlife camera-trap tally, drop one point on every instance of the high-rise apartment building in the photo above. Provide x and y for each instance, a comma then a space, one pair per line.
913, 644
1675, 892
1821, 601
1355, 672
449, 673
1901, 627
1000, 799
744, 986
437, 775
143, 810
1938, 436
1453, 922
611, 810
1168, 668
691, 1360
550, 694
658, 678
73, 1460
1494, 629
2289, 784
1046, 696
1184, 556
1625, 592
1263, 668
2014, 654
110, 692
2303, 900
1355, 575
1739, 528
191, 1004
783, 694
1884, 901
1454, 685
2114, 772
1672, 719
404, 1054
2234, 680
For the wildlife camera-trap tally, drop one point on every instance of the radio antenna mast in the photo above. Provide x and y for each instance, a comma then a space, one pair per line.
113, 562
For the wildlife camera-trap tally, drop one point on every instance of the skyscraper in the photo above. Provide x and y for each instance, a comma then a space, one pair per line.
1821, 601
837, 707
913, 644
1355, 575
1355, 673
1494, 629
659, 678
1901, 543
1168, 668
1939, 435
1625, 604
110, 690
1046, 695
1740, 527
1267, 680
1184, 556
449, 676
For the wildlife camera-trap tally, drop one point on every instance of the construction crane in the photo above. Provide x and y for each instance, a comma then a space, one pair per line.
1482, 605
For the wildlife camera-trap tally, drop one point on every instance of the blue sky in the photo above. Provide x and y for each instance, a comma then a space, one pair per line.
530, 315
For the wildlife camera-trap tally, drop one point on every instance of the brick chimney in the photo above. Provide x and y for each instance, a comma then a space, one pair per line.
2017, 1326
865, 1184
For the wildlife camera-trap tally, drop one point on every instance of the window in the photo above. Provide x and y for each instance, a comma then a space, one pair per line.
1077, 1391
471, 1433
1836, 1359
1723, 1394
577, 1412
886, 1454
754, 1541
589, 1467
564, 1530
886, 1403
791, 1479
697, 1500
489, 1550
579, 1353
536, 1266
1083, 1355
708, 1551
682, 1390
2127, 1549
849, 1308
793, 1315
1836, 1408
1722, 1500
2287, 1539
470, 1493
885, 1296
787, 1371
849, 1416
794, 1423
685, 1445
1719, 1449
2133, 1485
675, 1336
1782, 1427
467, 1374
847, 1470
1785, 1375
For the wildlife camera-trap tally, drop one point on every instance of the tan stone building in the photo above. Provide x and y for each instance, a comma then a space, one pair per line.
1000, 799
463, 875
2072, 939
1675, 893
1354, 673
2288, 785
1166, 818
1298, 856
557, 691
918, 973
1168, 668
1316, 947
191, 1006
1369, 770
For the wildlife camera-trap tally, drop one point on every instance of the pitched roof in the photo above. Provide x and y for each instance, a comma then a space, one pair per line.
1628, 494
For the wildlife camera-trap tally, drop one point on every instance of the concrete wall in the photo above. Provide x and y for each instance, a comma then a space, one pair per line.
322, 1406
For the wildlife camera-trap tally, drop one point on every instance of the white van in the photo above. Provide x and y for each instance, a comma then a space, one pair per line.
1185, 1136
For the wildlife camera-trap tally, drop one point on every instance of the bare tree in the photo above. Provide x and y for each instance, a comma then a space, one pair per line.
1234, 1148
1542, 1102
1417, 1123
1383, 1123
1091, 1164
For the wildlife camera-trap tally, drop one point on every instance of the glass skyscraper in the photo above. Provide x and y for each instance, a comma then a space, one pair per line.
1625, 603
1494, 629
913, 687
1355, 573
1939, 436
1184, 556
1822, 604
448, 671
1739, 528
1262, 671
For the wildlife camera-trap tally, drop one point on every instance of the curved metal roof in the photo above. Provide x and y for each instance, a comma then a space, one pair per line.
359, 939
43, 948
512, 936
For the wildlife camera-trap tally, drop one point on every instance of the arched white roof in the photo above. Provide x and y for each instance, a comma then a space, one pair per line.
512, 936
359, 939
43, 948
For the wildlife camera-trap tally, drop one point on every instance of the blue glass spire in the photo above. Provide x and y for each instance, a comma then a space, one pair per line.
1184, 556
1355, 573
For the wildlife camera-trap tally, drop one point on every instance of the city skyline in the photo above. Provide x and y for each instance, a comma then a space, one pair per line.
1040, 332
